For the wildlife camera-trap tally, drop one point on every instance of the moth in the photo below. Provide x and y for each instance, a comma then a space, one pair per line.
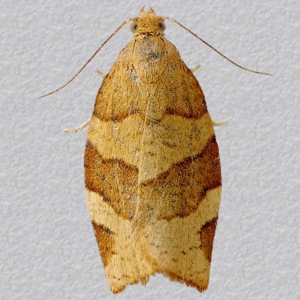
152, 167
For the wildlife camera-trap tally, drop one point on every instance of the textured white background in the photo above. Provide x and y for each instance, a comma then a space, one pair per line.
48, 248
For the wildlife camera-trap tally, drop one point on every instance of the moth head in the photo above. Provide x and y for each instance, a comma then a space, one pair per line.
148, 23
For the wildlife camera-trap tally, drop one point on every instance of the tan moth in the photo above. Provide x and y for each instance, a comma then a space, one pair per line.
152, 168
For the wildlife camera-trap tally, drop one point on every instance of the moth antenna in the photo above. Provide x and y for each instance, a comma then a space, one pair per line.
214, 48
124, 23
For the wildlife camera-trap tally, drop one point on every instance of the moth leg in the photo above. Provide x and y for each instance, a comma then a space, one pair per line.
79, 127
196, 68
100, 73
220, 124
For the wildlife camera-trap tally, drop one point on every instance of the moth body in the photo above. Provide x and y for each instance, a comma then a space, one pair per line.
152, 168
